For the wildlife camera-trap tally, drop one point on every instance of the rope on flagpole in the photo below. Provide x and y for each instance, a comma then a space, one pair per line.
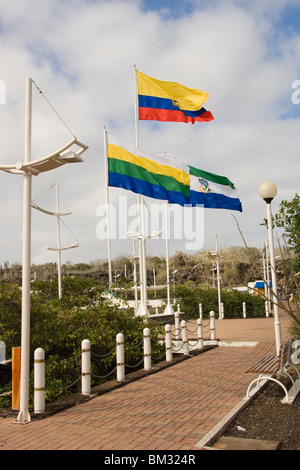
53, 109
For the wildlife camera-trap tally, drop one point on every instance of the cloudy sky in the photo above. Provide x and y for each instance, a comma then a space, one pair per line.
81, 55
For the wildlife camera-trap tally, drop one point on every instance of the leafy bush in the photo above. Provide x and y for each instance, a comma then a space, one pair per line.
60, 325
192, 295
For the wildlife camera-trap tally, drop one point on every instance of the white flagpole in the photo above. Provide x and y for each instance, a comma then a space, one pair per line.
135, 278
136, 109
218, 278
58, 243
142, 240
168, 308
107, 211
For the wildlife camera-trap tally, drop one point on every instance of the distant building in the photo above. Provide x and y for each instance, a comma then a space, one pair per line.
257, 287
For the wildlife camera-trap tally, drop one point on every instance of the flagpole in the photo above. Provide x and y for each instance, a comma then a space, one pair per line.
58, 243
107, 210
136, 109
168, 308
218, 278
142, 239
135, 278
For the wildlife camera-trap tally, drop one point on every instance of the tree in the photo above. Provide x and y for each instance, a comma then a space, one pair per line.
288, 218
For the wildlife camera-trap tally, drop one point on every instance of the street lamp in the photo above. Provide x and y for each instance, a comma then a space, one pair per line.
267, 192
27, 169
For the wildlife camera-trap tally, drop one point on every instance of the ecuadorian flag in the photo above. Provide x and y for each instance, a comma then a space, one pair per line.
169, 101
159, 176
212, 191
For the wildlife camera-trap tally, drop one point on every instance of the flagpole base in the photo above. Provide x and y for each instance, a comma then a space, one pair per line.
23, 417
169, 310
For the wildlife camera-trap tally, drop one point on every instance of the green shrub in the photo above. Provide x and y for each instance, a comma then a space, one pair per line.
191, 295
60, 325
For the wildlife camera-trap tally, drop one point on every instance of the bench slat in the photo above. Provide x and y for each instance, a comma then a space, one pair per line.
273, 364
267, 364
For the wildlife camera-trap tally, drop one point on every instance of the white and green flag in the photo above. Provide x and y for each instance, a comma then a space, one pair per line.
212, 191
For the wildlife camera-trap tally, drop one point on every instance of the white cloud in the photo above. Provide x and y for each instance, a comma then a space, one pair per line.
81, 54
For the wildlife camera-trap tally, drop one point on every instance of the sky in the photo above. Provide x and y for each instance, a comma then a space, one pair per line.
81, 54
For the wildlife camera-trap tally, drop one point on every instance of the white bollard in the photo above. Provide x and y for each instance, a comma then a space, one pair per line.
200, 333
185, 343
222, 311
212, 325
244, 310
147, 349
120, 357
267, 308
39, 380
168, 341
200, 311
177, 325
86, 367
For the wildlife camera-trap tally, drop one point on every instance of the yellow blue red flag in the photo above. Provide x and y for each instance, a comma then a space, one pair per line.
169, 101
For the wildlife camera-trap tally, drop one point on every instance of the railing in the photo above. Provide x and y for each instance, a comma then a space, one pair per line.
176, 341
242, 308
119, 351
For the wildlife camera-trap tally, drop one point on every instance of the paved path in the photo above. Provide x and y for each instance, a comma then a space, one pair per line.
172, 409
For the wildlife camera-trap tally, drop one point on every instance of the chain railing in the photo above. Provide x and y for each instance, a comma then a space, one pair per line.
171, 346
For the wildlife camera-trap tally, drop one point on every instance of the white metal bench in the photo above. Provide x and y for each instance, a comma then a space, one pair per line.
275, 366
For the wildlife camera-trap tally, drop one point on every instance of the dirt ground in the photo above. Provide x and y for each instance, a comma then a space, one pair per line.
267, 418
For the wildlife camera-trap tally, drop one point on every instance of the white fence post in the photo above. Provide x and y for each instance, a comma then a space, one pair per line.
222, 311
120, 357
39, 380
177, 325
168, 340
200, 311
244, 310
200, 333
267, 308
184, 338
86, 367
212, 325
147, 349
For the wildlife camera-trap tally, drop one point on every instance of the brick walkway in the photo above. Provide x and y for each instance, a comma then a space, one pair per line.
172, 409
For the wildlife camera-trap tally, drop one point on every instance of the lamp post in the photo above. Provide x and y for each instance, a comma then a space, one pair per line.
27, 169
267, 192
216, 254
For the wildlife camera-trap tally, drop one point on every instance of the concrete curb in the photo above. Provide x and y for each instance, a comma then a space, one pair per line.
218, 430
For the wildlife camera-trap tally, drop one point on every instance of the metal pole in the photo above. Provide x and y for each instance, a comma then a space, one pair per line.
144, 262
218, 279
135, 279
24, 416
167, 253
107, 211
154, 283
58, 244
274, 281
